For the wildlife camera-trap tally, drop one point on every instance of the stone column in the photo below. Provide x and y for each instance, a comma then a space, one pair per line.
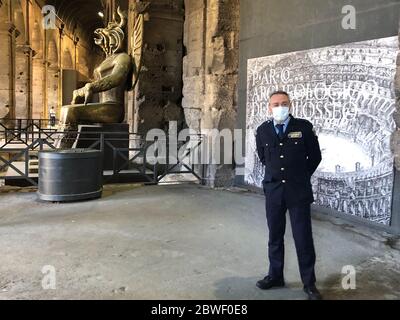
130, 95
161, 79
52, 74
52, 82
23, 88
211, 72
38, 74
7, 62
194, 62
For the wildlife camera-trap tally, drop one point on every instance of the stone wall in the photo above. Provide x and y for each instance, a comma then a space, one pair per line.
31, 60
210, 71
7, 39
158, 95
396, 135
274, 27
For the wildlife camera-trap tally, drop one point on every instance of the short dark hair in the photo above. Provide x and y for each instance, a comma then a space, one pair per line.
279, 92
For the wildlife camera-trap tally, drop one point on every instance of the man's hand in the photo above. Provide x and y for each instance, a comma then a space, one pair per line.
313, 149
85, 92
88, 93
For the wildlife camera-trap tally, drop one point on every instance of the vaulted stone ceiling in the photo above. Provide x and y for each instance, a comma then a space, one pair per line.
80, 15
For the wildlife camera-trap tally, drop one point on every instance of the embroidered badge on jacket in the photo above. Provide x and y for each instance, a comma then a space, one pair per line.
295, 135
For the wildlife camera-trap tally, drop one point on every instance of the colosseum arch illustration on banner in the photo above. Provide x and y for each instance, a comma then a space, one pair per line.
347, 92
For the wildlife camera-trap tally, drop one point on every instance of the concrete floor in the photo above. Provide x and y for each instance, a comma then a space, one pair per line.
175, 242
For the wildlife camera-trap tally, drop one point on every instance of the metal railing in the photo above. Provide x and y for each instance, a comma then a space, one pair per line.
23, 131
128, 153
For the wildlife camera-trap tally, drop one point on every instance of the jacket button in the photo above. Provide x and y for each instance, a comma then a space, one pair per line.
282, 156
281, 144
282, 169
283, 181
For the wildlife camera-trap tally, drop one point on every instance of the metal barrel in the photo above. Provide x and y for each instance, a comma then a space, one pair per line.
70, 175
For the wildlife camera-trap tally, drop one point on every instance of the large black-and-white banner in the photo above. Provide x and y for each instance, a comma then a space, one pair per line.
347, 92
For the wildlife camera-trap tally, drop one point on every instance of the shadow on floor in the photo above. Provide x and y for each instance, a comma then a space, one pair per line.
236, 288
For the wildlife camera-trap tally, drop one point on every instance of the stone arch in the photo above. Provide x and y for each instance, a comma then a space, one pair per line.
52, 53
83, 65
37, 40
19, 22
67, 62
4, 10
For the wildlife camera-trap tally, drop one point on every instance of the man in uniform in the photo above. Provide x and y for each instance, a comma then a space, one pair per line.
290, 151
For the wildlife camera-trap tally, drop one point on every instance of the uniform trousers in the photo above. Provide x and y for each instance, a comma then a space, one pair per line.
300, 218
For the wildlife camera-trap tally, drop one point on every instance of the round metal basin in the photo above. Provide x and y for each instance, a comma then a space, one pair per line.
70, 175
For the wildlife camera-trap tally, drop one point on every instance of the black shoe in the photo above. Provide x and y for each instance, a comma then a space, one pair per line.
268, 283
313, 293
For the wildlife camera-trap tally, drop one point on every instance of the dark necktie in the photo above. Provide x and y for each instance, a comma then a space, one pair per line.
281, 133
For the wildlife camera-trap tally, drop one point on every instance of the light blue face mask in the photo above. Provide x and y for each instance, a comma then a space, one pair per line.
280, 113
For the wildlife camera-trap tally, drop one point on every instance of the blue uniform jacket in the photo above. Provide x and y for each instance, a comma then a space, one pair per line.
290, 162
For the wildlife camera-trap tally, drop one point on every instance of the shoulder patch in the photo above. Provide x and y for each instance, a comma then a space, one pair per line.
307, 122
303, 121
264, 124
314, 131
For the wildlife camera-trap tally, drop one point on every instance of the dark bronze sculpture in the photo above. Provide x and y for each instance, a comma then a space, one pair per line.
117, 73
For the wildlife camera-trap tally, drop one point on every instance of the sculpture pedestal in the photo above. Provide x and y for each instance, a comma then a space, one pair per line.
70, 175
116, 135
